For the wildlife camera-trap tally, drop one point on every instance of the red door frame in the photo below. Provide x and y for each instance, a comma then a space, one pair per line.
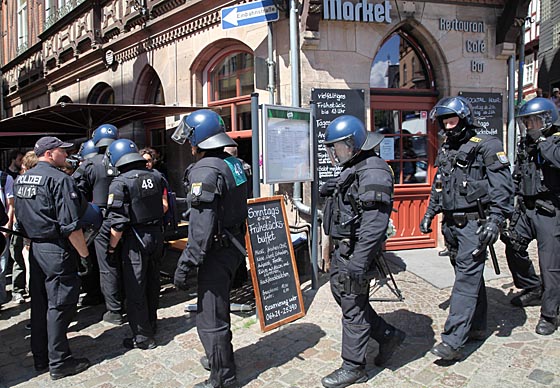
411, 200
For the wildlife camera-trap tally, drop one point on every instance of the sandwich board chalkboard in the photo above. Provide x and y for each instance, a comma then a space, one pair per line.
273, 266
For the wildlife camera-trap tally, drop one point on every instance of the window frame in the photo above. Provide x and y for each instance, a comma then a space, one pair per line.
233, 103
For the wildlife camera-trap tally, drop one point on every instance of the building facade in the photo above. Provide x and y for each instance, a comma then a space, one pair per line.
403, 55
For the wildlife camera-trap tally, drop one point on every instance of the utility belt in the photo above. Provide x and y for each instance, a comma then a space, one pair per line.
461, 218
61, 242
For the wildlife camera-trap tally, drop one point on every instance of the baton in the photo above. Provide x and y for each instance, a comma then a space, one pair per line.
235, 242
14, 232
476, 252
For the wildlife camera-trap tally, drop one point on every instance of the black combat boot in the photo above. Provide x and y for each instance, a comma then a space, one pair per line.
208, 384
446, 352
528, 297
341, 378
70, 367
546, 326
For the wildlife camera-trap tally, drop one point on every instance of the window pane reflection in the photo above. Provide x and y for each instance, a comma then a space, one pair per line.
399, 64
404, 148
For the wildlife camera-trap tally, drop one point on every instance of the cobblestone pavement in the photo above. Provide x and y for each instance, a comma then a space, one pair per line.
300, 353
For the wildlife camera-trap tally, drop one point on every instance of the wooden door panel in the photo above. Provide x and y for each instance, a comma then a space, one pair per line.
411, 200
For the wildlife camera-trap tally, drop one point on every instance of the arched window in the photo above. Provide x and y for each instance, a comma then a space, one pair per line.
230, 84
401, 64
101, 94
399, 54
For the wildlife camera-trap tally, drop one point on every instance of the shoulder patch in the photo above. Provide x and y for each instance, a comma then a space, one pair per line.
475, 139
196, 189
502, 157
556, 134
110, 199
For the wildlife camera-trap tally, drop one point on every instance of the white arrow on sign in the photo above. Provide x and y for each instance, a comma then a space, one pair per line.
231, 17
234, 17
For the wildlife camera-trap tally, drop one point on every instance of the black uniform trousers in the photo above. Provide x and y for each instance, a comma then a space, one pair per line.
519, 262
468, 307
110, 276
535, 223
54, 288
360, 322
213, 321
140, 263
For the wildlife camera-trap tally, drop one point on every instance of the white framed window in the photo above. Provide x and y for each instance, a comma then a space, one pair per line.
22, 25
529, 71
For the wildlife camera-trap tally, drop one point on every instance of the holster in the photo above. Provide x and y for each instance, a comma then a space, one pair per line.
351, 285
545, 206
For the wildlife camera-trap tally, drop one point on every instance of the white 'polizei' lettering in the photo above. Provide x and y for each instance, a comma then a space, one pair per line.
362, 11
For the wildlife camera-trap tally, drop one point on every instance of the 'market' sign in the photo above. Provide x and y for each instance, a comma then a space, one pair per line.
362, 11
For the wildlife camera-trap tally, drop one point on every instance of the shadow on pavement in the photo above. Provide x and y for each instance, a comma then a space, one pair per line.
419, 340
276, 349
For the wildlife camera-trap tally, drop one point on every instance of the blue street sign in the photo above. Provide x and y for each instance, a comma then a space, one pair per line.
249, 13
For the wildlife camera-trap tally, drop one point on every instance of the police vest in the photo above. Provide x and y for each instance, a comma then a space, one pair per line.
463, 174
534, 175
144, 192
353, 196
231, 192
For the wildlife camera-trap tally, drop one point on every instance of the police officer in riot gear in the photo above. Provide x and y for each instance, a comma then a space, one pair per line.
537, 214
470, 167
216, 189
356, 216
93, 177
88, 150
135, 214
48, 209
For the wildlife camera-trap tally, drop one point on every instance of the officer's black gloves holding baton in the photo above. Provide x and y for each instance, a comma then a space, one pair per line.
489, 232
328, 188
180, 277
84, 266
426, 224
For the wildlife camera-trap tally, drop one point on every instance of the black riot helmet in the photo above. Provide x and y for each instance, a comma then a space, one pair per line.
122, 152
104, 135
538, 113
204, 129
346, 136
449, 107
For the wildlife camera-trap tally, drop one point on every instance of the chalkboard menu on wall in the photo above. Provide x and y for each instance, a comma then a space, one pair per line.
488, 110
273, 266
332, 103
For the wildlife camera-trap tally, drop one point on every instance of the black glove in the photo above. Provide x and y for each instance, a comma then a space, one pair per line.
84, 266
489, 232
112, 256
180, 277
426, 224
328, 188
535, 134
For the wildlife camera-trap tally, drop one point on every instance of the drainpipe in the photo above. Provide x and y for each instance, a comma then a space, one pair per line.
294, 62
512, 134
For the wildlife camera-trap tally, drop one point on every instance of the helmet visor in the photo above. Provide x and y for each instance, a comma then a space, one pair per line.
183, 133
540, 121
341, 151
